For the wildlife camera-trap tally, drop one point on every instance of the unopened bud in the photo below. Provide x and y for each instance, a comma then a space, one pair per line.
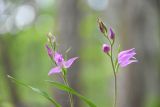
111, 34
51, 37
106, 48
49, 50
49, 34
102, 26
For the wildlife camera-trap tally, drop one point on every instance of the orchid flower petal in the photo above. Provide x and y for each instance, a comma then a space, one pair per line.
124, 64
127, 57
55, 70
67, 64
126, 52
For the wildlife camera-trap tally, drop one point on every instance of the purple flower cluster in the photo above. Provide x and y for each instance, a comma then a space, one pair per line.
125, 57
58, 59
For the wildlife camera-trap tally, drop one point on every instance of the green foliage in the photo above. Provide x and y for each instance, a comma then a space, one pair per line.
40, 92
70, 90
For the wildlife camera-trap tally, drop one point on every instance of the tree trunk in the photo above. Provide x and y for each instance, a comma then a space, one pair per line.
69, 37
8, 70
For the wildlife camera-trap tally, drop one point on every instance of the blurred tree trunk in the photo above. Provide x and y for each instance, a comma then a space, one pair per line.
137, 24
142, 33
69, 37
8, 70
135, 28
157, 4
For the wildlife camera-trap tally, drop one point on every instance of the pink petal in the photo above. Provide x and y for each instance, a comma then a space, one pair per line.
129, 51
124, 64
125, 57
55, 70
68, 63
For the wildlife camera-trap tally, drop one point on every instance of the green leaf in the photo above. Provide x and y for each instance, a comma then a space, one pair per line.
42, 93
70, 90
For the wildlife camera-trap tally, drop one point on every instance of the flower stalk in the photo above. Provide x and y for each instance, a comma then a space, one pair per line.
123, 58
114, 70
69, 94
115, 77
60, 63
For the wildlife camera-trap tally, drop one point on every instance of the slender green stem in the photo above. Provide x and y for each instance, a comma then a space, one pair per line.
105, 34
63, 76
69, 94
115, 76
115, 101
52, 45
115, 67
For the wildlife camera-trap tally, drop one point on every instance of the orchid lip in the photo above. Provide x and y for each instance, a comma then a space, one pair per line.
61, 63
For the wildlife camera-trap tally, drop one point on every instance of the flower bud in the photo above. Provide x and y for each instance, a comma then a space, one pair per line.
106, 48
111, 34
102, 27
51, 37
50, 53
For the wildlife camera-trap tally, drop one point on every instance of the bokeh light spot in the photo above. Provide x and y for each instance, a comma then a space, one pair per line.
98, 4
25, 15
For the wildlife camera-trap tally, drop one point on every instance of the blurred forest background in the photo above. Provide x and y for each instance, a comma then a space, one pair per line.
23, 28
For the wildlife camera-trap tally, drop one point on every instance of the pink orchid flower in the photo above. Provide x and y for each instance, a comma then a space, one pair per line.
61, 63
127, 57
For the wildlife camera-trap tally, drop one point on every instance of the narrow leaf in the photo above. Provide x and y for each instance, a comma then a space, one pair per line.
42, 93
70, 90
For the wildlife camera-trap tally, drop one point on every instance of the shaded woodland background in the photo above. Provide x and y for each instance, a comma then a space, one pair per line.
23, 28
